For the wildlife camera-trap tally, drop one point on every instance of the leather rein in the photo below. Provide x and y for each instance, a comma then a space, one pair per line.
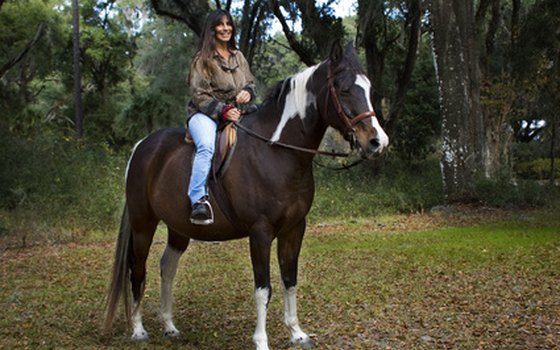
350, 123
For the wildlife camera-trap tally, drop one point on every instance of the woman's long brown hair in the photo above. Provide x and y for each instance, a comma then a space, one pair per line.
207, 44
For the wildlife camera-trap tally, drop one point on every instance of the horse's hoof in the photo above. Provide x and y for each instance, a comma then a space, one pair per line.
306, 343
139, 337
172, 333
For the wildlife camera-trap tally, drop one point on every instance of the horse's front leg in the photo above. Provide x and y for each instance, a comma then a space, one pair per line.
176, 246
289, 246
260, 241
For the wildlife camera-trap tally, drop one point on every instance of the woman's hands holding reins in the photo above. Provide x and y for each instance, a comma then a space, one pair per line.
243, 97
233, 114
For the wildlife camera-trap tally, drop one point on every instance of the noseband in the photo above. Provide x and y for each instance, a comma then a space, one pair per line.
349, 122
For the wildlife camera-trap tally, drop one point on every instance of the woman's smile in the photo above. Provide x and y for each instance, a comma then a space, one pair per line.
224, 30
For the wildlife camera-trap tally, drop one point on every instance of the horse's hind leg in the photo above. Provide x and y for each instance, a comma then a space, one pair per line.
141, 242
176, 246
289, 246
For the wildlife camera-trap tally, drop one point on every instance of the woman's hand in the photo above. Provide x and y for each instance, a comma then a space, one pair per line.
233, 114
243, 97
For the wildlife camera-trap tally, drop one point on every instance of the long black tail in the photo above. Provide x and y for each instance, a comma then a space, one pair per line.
120, 281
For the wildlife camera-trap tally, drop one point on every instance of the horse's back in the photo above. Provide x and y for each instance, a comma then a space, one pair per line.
161, 142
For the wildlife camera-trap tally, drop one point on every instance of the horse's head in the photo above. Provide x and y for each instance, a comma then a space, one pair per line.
348, 106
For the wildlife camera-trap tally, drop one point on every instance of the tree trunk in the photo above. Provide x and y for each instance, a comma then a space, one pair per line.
79, 116
554, 128
375, 37
253, 27
458, 74
370, 19
413, 26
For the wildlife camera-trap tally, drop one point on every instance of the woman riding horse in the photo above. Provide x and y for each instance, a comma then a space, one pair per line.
219, 76
265, 193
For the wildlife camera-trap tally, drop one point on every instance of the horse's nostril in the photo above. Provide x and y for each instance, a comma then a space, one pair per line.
374, 143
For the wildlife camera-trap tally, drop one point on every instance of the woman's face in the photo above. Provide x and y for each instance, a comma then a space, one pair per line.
223, 30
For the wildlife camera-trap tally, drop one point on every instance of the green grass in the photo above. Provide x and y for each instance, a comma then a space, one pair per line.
401, 282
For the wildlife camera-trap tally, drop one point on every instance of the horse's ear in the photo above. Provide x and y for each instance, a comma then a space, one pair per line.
336, 52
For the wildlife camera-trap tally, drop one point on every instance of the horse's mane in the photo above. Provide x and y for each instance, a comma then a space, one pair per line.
349, 61
276, 91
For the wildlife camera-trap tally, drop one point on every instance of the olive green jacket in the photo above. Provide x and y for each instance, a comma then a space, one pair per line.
213, 91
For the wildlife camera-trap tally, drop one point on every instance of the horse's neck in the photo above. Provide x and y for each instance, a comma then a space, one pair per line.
293, 118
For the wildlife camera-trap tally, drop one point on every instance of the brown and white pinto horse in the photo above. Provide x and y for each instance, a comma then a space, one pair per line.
265, 194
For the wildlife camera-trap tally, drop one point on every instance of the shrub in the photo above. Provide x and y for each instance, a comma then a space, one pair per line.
360, 193
59, 183
503, 192
536, 169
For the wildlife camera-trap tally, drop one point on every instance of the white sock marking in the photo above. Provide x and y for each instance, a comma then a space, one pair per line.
261, 300
138, 331
168, 265
290, 316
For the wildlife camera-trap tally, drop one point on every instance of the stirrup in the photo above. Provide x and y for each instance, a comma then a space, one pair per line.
202, 212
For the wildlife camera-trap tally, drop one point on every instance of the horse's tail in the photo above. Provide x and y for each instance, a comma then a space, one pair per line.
120, 281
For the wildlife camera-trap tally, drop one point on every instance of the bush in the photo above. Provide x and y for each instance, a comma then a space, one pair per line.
57, 183
536, 169
359, 193
503, 192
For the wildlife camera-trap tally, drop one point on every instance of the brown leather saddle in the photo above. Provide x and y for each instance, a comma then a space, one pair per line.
226, 140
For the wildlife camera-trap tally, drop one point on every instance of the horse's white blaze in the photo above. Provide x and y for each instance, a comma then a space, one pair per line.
130, 159
168, 265
261, 300
297, 100
290, 316
364, 83
382, 137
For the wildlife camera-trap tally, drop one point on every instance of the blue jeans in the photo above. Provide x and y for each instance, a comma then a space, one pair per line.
203, 132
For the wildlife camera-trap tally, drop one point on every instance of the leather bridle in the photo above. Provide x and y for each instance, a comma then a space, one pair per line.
350, 123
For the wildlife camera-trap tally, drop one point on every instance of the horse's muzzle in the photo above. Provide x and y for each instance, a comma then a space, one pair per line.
376, 146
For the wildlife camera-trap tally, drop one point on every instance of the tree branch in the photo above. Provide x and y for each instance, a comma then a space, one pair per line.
301, 51
17, 58
193, 13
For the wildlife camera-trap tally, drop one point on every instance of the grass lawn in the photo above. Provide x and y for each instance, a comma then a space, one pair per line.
474, 280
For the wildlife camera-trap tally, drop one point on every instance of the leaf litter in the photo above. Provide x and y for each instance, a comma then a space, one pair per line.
399, 282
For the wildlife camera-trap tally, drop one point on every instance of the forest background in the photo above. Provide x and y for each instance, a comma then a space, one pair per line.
467, 91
